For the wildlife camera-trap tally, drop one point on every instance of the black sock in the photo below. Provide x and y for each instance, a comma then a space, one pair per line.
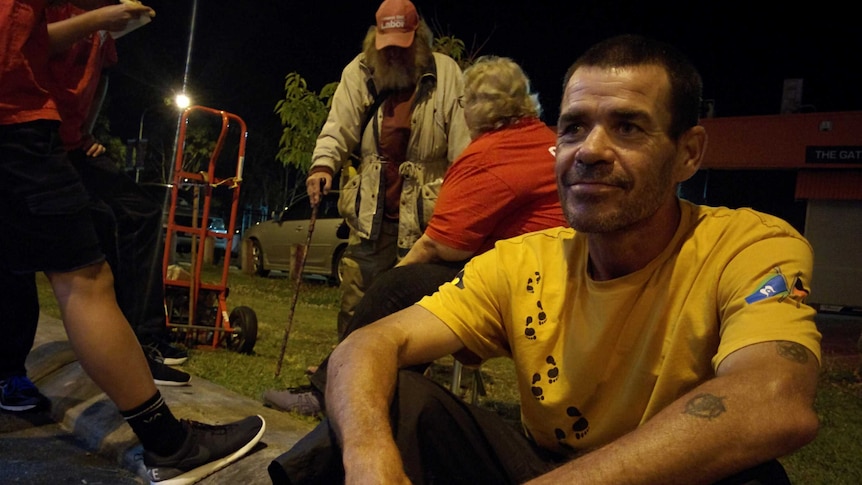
157, 428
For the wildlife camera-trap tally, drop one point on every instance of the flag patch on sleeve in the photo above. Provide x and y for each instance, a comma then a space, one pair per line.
459, 280
774, 285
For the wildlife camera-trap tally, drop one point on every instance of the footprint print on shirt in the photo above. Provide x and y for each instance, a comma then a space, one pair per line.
530, 333
580, 427
531, 281
542, 318
554, 371
553, 374
537, 391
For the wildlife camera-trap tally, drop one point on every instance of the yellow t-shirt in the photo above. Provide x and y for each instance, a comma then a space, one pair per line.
595, 359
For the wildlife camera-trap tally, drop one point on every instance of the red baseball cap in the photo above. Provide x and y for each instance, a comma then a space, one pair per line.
397, 22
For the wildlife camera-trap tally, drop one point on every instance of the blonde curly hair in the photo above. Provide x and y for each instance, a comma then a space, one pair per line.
497, 93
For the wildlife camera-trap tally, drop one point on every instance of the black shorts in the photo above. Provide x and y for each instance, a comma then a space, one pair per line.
44, 207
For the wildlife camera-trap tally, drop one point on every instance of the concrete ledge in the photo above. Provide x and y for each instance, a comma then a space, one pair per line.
84, 410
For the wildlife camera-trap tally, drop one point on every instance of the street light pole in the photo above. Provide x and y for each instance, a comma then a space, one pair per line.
192, 23
182, 98
139, 146
141, 124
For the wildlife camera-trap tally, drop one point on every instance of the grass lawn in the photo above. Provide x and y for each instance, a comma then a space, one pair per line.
835, 457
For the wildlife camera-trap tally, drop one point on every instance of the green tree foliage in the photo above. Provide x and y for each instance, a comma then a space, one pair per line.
200, 143
454, 48
263, 176
302, 113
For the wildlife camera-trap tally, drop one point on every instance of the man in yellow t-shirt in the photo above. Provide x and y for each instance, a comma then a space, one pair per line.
656, 341
596, 359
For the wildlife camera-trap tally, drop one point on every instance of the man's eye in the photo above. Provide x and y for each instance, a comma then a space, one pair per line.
628, 128
572, 130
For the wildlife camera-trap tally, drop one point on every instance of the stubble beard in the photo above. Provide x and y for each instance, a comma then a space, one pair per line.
585, 213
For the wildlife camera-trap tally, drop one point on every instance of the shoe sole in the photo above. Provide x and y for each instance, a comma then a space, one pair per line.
18, 409
160, 382
208, 469
174, 361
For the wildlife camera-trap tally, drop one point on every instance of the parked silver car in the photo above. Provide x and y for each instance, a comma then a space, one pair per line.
270, 242
217, 225
183, 216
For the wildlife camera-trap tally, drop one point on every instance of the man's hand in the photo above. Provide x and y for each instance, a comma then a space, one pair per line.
115, 18
95, 150
428, 250
312, 185
381, 464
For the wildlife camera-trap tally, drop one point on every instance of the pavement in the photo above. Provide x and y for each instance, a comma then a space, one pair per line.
84, 440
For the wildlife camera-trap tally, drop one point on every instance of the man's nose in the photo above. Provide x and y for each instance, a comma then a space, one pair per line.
595, 148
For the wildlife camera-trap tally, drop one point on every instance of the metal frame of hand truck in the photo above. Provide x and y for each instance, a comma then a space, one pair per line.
197, 311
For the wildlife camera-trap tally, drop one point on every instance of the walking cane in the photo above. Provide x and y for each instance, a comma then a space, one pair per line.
299, 269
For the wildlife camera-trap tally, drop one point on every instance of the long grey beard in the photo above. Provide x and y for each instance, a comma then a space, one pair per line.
394, 77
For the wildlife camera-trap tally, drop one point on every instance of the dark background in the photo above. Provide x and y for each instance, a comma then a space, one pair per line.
243, 49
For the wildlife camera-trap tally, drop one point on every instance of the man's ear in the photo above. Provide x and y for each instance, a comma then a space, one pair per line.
692, 147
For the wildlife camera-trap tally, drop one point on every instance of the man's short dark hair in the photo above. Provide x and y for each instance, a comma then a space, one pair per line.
686, 86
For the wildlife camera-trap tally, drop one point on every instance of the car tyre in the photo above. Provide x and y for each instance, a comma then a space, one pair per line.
243, 321
257, 260
336, 276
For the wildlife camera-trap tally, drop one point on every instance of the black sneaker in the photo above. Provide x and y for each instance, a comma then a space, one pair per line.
19, 394
166, 353
206, 450
164, 375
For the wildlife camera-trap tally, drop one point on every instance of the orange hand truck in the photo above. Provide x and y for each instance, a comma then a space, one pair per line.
197, 311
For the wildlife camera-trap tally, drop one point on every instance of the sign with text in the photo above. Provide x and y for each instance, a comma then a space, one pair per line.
833, 154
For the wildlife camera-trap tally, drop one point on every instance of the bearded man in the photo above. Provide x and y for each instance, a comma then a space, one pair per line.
396, 112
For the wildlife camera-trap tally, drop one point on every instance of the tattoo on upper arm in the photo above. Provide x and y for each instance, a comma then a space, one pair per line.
705, 406
792, 351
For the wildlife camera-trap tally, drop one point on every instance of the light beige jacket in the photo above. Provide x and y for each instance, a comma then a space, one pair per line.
438, 135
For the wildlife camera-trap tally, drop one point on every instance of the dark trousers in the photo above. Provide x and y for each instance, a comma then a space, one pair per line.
47, 225
393, 290
128, 223
444, 440
20, 304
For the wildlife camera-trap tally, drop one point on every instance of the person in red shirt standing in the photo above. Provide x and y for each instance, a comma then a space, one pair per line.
132, 220
127, 220
43, 199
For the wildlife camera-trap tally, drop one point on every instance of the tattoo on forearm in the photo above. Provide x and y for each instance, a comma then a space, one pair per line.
793, 351
705, 406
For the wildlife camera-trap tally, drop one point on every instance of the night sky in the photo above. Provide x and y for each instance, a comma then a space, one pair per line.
242, 50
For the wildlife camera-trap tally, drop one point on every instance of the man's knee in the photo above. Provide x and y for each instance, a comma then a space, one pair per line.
419, 401
92, 280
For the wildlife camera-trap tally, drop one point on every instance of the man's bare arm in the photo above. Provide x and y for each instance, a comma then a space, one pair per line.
65, 33
361, 382
427, 250
759, 407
